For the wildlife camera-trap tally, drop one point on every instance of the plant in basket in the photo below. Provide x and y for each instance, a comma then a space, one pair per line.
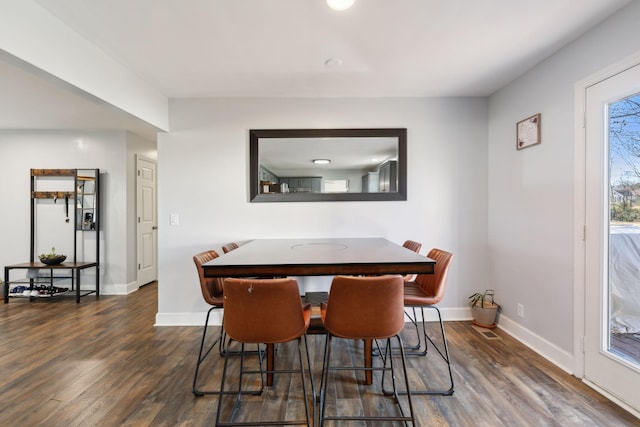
52, 257
484, 309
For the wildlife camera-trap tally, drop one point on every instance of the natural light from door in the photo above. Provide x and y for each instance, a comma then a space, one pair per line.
624, 229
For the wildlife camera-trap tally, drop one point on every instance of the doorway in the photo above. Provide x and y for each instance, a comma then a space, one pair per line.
612, 236
146, 220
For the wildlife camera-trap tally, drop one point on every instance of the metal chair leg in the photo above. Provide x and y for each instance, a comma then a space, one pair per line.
442, 351
220, 341
309, 416
202, 357
313, 389
386, 356
414, 350
396, 393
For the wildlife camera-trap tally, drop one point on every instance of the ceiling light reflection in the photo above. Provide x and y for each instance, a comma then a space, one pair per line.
340, 4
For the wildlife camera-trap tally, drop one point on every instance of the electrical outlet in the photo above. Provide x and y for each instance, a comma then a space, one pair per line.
520, 310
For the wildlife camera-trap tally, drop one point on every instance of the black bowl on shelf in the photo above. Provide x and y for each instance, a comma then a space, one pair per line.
53, 260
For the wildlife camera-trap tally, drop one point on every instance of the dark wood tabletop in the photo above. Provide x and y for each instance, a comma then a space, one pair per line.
318, 257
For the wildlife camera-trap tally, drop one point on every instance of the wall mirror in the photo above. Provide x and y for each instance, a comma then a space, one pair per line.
313, 165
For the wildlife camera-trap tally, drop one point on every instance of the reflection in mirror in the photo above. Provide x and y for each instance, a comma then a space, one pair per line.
327, 164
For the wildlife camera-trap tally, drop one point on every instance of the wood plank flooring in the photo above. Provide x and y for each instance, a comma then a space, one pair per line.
103, 363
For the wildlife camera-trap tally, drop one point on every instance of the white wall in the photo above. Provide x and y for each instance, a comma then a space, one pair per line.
203, 175
531, 192
21, 151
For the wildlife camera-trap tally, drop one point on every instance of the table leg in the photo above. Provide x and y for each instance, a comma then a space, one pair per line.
270, 362
6, 285
368, 361
77, 271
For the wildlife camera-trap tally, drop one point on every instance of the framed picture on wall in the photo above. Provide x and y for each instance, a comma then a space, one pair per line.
528, 132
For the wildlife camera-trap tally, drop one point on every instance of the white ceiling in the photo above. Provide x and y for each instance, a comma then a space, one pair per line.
278, 48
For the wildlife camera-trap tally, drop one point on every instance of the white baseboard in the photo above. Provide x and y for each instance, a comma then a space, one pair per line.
118, 289
188, 319
448, 314
197, 319
544, 348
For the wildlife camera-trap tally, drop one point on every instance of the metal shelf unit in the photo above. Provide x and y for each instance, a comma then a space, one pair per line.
85, 202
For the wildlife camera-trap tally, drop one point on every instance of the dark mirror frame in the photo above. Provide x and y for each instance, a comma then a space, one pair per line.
255, 135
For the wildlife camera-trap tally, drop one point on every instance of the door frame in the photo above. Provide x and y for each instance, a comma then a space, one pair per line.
579, 227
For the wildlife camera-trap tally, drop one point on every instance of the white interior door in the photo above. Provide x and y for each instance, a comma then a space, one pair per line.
606, 368
147, 224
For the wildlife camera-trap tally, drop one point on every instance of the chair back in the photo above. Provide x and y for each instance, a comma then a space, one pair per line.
211, 287
435, 284
265, 311
229, 247
368, 307
413, 246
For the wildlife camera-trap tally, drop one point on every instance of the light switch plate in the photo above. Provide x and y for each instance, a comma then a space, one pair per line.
174, 219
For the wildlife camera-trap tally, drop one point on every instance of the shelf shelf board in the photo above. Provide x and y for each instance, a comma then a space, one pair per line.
53, 172
52, 194
69, 293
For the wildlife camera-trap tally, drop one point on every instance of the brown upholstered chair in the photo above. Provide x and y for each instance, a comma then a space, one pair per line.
426, 291
415, 247
367, 308
229, 247
212, 293
265, 311
412, 246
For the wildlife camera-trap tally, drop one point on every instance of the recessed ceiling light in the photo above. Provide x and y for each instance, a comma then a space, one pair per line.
340, 4
321, 161
333, 62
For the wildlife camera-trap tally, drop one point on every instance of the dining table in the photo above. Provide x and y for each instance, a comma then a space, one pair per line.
319, 257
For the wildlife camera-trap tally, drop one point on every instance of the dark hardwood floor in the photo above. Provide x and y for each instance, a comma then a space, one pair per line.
103, 363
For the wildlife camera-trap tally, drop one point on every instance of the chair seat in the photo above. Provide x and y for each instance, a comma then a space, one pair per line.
415, 295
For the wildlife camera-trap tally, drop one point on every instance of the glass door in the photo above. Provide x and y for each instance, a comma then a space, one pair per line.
612, 294
624, 228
